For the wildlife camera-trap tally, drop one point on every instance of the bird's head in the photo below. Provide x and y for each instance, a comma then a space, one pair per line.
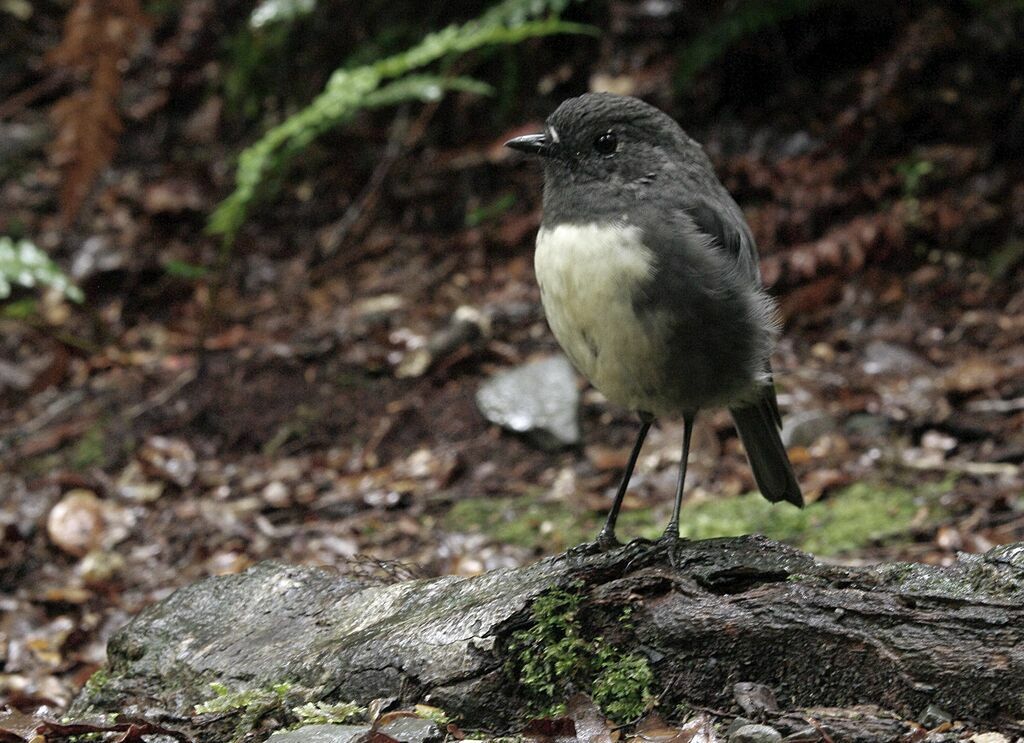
608, 147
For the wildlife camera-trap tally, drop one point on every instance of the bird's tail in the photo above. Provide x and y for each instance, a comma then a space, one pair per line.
759, 423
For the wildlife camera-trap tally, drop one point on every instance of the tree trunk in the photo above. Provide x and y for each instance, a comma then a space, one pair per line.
701, 617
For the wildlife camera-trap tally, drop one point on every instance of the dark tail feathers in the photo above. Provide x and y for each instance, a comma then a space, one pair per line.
759, 424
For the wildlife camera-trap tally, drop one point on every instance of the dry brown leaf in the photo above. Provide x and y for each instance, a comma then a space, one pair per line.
99, 35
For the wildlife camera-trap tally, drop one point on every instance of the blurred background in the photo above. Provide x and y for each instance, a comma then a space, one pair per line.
266, 289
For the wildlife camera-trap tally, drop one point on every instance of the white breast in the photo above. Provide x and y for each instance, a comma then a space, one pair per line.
589, 276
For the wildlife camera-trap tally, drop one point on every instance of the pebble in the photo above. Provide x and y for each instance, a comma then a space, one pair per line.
539, 399
755, 734
76, 523
321, 734
276, 494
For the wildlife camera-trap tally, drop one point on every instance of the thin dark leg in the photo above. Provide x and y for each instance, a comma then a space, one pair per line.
672, 530
606, 539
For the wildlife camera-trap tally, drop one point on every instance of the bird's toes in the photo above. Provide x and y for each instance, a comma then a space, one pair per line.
607, 541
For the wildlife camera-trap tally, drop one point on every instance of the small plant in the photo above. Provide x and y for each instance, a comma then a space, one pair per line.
251, 705
552, 657
225, 700
551, 651
24, 264
623, 684
96, 682
435, 714
322, 713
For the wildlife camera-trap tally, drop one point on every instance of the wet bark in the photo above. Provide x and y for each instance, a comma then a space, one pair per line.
705, 614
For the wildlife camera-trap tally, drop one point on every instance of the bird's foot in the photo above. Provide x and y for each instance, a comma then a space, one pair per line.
670, 542
670, 535
607, 541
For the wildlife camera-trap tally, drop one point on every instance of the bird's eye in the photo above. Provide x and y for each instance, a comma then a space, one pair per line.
606, 144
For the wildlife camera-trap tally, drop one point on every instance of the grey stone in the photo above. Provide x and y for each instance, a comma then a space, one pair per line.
410, 729
755, 734
539, 399
804, 428
321, 734
736, 724
934, 716
754, 699
882, 357
868, 425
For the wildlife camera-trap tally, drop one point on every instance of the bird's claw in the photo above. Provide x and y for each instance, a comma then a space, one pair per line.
607, 541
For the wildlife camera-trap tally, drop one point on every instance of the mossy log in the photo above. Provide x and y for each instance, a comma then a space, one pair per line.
702, 616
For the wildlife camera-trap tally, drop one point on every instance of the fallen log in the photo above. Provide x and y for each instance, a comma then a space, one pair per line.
640, 625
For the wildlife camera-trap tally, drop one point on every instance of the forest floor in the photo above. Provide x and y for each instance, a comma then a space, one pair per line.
150, 437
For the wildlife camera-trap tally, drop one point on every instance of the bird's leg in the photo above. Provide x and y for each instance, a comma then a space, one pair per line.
606, 539
672, 530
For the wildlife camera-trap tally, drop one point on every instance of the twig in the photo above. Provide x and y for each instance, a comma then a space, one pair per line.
371, 191
23, 98
162, 396
996, 406
404, 136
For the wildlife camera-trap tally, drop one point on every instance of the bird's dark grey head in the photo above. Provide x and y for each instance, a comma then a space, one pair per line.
603, 152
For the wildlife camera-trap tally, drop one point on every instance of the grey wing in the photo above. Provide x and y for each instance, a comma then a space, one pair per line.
758, 421
725, 225
723, 221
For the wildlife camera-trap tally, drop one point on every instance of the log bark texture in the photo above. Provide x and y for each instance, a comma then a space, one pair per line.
705, 614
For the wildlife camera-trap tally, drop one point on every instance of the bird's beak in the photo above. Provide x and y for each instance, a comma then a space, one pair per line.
531, 144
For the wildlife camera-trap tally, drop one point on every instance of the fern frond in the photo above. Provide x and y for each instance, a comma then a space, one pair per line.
350, 90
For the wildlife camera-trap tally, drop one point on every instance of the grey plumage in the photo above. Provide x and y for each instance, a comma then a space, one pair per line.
649, 276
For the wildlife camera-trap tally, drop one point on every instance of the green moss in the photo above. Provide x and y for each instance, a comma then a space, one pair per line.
251, 705
525, 521
435, 714
97, 681
553, 656
322, 713
532, 522
89, 451
623, 684
852, 518
225, 700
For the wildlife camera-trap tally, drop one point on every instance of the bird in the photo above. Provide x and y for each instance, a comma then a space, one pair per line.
650, 282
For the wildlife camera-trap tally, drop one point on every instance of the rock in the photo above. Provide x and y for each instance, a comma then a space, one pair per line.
132, 484
881, 357
169, 459
754, 699
755, 734
321, 734
408, 728
868, 425
100, 566
736, 724
804, 428
989, 738
276, 494
539, 399
934, 716
975, 373
76, 523
97, 255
